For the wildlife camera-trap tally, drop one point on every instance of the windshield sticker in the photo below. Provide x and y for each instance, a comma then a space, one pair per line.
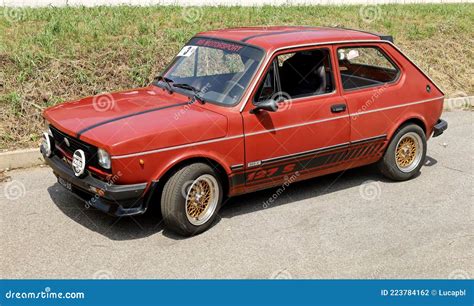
219, 45
187, 51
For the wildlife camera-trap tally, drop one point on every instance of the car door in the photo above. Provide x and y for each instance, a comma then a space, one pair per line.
310, 126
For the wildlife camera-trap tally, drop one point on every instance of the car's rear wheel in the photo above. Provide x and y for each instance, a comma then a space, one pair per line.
405, 154
191, 199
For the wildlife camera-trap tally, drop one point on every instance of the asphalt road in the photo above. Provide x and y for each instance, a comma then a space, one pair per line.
355, 224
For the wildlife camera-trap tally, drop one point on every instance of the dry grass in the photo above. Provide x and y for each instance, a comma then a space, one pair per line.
54, 54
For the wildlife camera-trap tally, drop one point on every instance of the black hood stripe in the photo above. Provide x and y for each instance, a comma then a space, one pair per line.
127, 116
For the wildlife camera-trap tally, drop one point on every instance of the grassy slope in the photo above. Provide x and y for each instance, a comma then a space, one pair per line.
53, 54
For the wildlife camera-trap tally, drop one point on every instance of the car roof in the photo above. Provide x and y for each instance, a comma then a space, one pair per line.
275, 37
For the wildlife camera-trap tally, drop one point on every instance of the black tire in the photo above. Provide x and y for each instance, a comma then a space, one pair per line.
388, 165
173, 199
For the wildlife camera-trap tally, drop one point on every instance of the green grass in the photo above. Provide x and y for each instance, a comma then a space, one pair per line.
49, 55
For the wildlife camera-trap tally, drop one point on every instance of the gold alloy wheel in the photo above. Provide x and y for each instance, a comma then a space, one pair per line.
408, 152
201, 199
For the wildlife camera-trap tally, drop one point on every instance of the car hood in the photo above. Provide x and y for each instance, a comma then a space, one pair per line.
137, 120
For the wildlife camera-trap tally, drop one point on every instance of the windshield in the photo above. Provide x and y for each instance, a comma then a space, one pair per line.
219, 71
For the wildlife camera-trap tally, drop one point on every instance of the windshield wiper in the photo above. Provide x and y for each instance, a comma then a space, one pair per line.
165, 80
196, 91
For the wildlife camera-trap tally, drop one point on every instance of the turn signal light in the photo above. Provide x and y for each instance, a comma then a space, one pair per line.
97, 191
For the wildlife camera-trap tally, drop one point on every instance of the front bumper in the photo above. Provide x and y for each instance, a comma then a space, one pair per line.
440, 126
117, 200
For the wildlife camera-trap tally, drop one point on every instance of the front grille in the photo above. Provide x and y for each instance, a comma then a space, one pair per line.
74, 144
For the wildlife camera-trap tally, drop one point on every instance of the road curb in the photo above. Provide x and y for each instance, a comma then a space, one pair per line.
20, 159
461, 102
32, 157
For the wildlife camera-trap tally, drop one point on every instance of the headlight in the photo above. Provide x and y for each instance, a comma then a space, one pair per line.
47, 145
47, 128
104, 158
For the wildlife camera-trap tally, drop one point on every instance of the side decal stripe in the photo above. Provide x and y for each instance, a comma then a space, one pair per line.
363, 152
307, 163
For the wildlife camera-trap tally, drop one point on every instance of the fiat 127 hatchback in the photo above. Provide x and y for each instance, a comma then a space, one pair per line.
239, 110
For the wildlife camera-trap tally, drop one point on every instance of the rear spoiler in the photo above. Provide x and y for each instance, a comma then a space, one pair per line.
385, 37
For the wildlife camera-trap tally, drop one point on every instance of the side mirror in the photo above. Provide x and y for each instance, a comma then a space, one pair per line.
270, 105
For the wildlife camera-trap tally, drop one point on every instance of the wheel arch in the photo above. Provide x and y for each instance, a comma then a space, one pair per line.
173, 166
418, 120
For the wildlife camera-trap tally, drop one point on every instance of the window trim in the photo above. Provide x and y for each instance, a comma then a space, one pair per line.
381, 84
273, 60
273, 64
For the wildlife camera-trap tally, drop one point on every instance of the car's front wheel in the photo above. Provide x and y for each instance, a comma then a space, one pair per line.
405, 154
191, 199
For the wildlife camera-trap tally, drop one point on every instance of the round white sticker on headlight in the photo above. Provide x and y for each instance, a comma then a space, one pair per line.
79, 162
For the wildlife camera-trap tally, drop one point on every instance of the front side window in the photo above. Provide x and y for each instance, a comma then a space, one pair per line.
365, 66
298, 74
219, 70
305, 73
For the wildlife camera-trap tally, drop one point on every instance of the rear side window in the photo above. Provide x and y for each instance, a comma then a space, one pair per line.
364, 67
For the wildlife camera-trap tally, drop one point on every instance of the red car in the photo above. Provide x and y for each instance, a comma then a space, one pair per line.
244, 109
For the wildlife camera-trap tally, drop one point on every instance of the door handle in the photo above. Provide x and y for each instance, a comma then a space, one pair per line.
337, 108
